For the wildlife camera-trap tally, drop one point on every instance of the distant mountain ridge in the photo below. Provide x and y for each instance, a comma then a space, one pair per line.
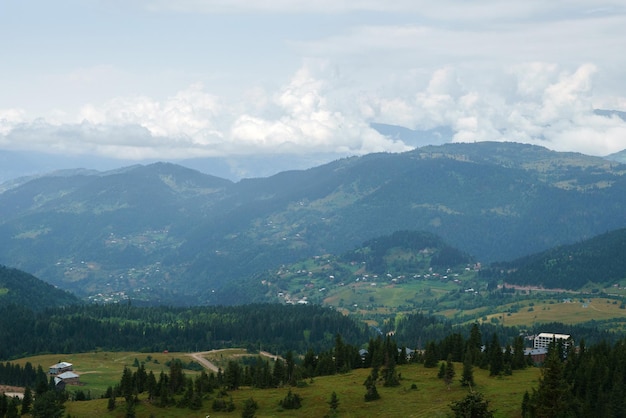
174, 235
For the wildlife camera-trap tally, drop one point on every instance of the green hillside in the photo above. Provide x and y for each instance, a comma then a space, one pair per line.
596, 262
166, 234
401, 272
23, 289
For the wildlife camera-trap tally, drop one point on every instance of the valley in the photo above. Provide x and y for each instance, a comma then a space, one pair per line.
169, 234
458, 254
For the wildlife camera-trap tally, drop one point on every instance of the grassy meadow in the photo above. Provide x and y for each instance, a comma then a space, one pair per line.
101, 369
564, 309
431, 398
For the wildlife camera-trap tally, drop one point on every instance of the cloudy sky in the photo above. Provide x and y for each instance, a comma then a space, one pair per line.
165, 79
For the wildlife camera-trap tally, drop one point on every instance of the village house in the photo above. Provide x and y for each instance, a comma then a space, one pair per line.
63, 375
59, 368
66, 378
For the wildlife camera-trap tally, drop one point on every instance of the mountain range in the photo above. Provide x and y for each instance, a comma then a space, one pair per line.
171, 234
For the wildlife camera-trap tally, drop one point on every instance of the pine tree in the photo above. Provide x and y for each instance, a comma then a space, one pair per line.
526, 405
552, 397
390, 376
333, 404
442, 371
291, 401
111, 403
27, 401
130, 409
177, 379
4, 404
472, 406
371, 393
47, 405
12, 408
449, 372
290, 375
430, 356
496, 357
519, 360
278, 374
467, 378
249, 408
474, 344
126, 385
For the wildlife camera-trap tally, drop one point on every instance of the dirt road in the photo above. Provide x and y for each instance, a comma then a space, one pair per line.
200, 358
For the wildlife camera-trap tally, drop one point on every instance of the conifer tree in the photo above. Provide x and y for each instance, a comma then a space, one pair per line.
519, 360
4, 404
249, 408
449, 372
430, 356
371, 393
333, 403
474, 344
552, 397
442, 371
496, 357
27, 401
472, 406
467, 378
390, 376
12, 408
111, 403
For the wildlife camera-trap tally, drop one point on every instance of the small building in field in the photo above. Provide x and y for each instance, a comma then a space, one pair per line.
59, 368
67, 378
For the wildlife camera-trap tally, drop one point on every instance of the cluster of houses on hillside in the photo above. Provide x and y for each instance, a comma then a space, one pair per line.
63, 375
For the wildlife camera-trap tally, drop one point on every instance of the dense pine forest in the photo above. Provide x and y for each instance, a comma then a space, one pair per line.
117, 327
597, 260
23, 289
590, 381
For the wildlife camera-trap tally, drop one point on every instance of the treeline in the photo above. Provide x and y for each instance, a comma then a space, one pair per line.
42, 401
13, 374
416, 330
117, 327
590, 381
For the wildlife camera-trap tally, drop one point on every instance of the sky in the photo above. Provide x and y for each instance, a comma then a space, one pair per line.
162, 79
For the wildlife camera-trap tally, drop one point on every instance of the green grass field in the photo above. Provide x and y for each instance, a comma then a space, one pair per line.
99, 370
571, 312
431, 398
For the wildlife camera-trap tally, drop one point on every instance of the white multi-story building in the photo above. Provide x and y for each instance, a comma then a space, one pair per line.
544, 339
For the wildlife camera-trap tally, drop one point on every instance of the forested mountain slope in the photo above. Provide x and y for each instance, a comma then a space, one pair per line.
23, 289
599, 260
169, 234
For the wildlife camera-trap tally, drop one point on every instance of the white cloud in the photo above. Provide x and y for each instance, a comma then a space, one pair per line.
309, 122
9, 118
314, 112
529, 71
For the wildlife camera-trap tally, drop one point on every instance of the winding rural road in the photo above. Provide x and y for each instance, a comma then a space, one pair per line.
200, 358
